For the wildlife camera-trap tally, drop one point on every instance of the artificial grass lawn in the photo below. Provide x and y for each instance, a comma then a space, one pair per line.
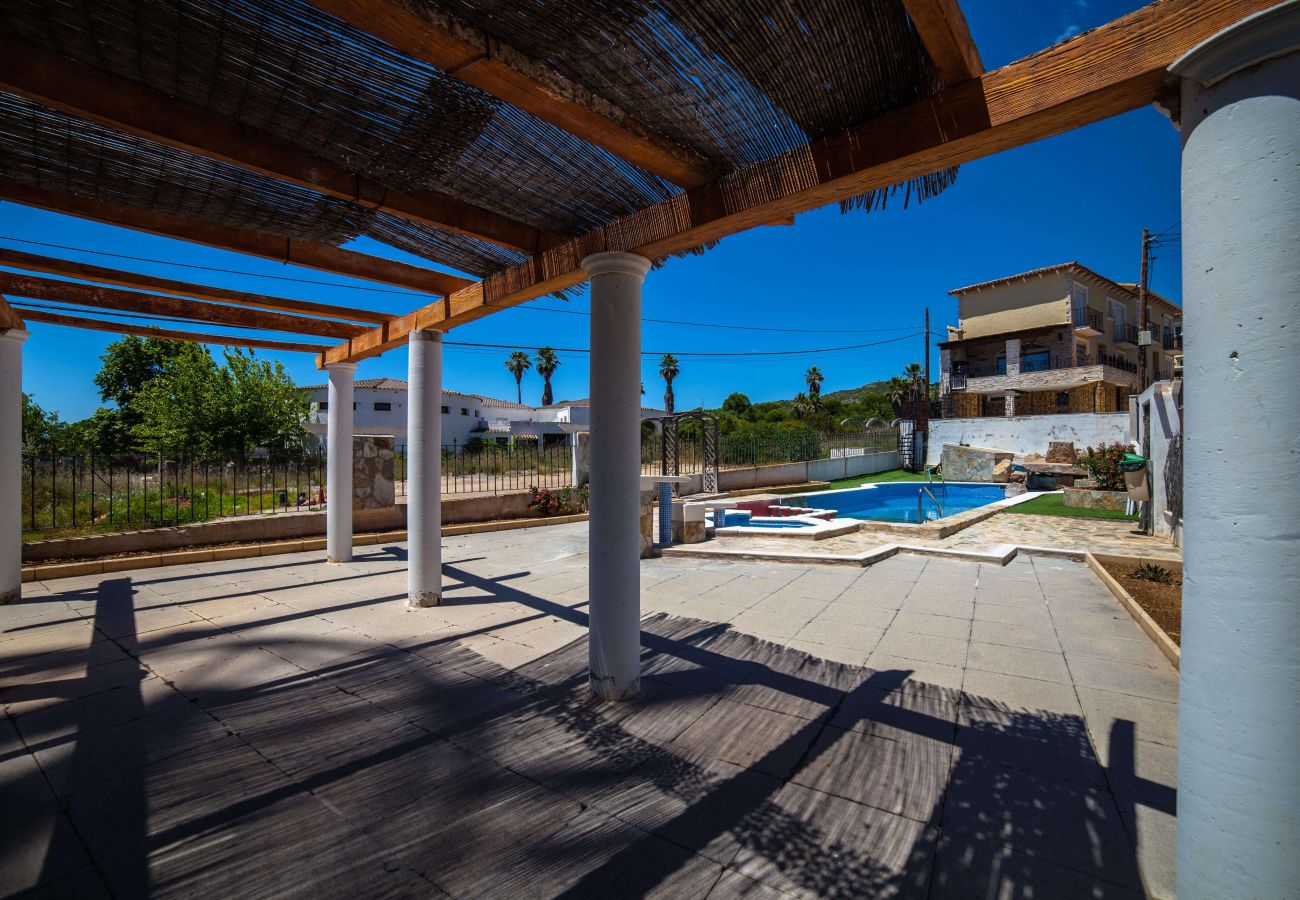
892, 475
1054, 505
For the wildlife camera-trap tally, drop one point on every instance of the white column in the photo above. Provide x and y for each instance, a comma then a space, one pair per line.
424, 471
11, 464
338, 475
615, 528
1239, 732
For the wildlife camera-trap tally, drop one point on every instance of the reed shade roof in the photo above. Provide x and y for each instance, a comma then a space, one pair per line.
739, 83
51, 150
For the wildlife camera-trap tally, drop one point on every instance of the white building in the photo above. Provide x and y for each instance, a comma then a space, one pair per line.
379, 407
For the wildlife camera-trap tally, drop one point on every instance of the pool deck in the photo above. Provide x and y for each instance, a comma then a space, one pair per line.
278, 726
988, 536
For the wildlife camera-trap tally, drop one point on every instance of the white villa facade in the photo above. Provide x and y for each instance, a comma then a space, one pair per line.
380, 407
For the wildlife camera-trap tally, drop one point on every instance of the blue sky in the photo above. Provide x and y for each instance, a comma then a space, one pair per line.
828, 281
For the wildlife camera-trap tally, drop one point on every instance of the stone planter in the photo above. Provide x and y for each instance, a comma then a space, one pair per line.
1092, 498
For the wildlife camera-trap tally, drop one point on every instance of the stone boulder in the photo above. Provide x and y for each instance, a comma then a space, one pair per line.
1002, 471
1016, 488
963, 463
1061, 452
1034, 457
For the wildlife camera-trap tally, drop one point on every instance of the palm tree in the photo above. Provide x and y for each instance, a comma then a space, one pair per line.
547, 363
803, 405
814, 378
518, 364
669, 369
912, 375
896, 391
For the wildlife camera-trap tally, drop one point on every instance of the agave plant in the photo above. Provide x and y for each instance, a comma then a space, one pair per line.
1153, 573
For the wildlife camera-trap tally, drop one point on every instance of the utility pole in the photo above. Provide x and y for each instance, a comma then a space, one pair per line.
927, 367
1142, 310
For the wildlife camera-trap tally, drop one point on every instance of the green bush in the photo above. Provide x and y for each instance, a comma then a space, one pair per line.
1102, 465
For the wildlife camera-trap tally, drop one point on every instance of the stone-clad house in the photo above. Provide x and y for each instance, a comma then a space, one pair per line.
1061, 339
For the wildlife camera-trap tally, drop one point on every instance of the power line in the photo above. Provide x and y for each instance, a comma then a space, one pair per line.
401, 293
165, 262
578, 312
700, 353
487, 347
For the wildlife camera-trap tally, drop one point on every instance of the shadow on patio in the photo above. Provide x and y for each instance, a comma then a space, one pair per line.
209, 759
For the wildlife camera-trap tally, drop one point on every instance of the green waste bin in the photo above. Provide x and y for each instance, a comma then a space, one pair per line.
1135, 470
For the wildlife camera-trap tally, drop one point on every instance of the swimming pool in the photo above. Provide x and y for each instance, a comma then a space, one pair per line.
896, 501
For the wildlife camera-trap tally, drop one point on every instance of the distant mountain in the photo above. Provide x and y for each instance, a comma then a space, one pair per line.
849, 395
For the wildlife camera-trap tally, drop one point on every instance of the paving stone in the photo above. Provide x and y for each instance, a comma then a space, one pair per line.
1022, 661
744, 735
994, 690
841, 634
1149, 720
967, 866
906, 778
1057, 821
1015, 635
937, 679
38, 848
1125, 678
815, 845
924, 647
939, 626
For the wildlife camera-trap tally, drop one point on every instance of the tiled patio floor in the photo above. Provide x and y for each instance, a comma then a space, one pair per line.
279, 727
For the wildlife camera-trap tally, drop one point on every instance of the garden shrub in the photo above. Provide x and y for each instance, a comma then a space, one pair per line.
1102, 465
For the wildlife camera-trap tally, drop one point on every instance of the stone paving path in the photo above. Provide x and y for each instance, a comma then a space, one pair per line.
280, 727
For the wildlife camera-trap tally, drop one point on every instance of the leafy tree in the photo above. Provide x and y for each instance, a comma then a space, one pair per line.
518, 363
814, 378
40, 428
547, 363
737, 404
229, 410
132, 362
669, 369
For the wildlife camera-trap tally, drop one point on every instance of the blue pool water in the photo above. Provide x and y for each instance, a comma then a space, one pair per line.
741, 517
896, 501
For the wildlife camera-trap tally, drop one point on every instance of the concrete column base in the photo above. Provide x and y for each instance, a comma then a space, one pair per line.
609, 689
423, 599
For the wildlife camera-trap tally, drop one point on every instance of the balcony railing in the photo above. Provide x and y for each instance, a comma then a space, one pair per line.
959, 379
1172, 340
1125, 333
1086, 317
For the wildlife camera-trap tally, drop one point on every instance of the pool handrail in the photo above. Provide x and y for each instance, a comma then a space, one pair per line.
920, 516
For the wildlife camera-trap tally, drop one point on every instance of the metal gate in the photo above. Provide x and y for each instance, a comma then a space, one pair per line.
671, 462
906, 445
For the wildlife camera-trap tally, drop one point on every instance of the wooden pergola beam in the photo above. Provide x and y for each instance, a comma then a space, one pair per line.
308, 254
1110, 70
33, 315
128, 106
943, 29
504, 72
17, 259
34, 288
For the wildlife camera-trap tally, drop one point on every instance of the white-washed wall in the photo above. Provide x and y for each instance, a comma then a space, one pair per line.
1023, 435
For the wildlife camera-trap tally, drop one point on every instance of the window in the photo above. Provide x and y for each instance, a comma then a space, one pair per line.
383, 407
323, 406
354, 405
1002, 365
445, 410
1080, 303
1035, 361
1062, 399
464, 411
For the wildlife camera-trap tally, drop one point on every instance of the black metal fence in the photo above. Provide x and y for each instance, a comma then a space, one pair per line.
90, 493
481, 467
747, 449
